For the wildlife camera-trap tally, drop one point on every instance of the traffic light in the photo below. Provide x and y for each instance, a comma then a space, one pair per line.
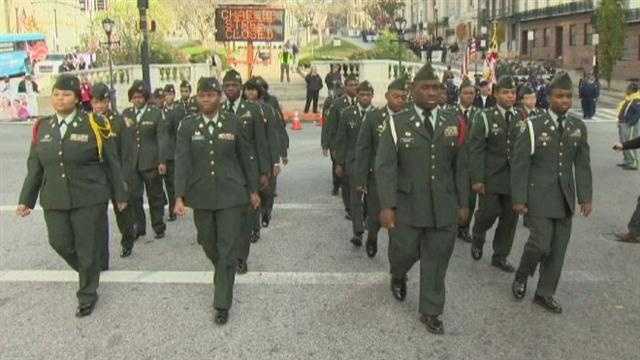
143, 4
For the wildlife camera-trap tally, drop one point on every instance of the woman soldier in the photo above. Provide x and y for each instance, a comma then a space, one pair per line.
73, 166
217, 176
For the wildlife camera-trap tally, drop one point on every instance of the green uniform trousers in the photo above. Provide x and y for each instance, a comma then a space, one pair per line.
472, 209
357, 206
268, 196
490, 208
169, 179
126, 221
152, 181
433, 247
218, 232
249, 224
373, 208
547, 245
77, 235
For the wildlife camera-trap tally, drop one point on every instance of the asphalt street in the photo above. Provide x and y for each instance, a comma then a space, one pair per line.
309, 294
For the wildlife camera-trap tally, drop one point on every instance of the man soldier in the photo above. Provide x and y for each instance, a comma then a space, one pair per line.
364, 180
271, 99
326, 106
157, 98
551, 165
346, 137
252, 122
216, 176
484, 99
493, 134
149, 158
528, 101
122, 134
188, 104
465, 111
330, 129
173, 114
420, 177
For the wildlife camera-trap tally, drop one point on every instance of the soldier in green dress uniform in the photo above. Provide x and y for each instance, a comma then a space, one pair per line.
122, 137
149, 158
493, 134
252, 122
364, 179
346, 137
187, 103
423, 191
551, 167
73, 166
173, 114
216, 176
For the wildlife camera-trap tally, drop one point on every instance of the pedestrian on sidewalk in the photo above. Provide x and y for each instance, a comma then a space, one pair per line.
286, 57
589, 91
86, 94
629, 126
314, 85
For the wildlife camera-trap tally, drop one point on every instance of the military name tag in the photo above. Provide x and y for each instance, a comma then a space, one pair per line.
246, 115
128, 122
227, 136
451, 131
146, 123
79, 137
197, 137
46, 138
576, 134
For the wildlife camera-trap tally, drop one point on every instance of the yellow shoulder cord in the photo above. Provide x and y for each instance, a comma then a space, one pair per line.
101, 132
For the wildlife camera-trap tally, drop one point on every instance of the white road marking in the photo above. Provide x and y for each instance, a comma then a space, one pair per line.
251, 278
284, 206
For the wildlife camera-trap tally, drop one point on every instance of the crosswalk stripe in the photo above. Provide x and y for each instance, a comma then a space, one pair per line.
282, 206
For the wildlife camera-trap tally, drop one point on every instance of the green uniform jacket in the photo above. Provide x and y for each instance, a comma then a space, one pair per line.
67, 172
544, 163
172, 118
422, 177
273, 101
471, 114
272, 133
330, 128
189, 106
150, 140
347, 136
490, 149
371, 129
124, 139
252, 122
214, 171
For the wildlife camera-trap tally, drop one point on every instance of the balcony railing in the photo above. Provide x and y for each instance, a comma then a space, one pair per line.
571, 8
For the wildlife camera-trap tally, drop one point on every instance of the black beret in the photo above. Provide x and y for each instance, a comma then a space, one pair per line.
526, 89
232, 76
158, 92
69, 83
208, 84
506, 82
351, 77
185, 84
425, 73
365, 86
138, 86
397, 84
169, 88
561, 80
262, 82
100, 91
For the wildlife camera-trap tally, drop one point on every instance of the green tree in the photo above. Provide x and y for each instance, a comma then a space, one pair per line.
611, 29
383, 12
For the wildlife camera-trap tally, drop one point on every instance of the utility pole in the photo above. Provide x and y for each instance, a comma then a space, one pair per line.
143, 5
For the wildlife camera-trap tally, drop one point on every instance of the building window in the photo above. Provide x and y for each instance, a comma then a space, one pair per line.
545, 37
587, 34
533, 42
572, 35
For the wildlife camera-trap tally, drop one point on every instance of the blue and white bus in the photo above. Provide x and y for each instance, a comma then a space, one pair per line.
19, 51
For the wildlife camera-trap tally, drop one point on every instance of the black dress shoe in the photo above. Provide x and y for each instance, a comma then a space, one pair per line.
356, 240
140, 234
160, 235
222, 316
433, 324
265, 220
503, 265
519, 287
254, 237
371, 247
347, 216
335, 191
126, 252
399, 288
476, 252
463, 234
242, 267
621, 164
549, 303
172, 217
86, 309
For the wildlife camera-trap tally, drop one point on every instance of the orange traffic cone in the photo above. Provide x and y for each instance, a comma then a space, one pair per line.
295, 122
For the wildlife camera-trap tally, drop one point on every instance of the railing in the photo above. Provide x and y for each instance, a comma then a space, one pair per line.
554, 11
123, 74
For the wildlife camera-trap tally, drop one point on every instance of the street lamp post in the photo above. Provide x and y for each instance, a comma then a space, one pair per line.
108, 26
401, 25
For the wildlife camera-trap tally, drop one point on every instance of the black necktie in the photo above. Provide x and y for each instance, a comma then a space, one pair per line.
466, 115
363, 112
353, 102
427, 121
561, 119
507, 116
231, 106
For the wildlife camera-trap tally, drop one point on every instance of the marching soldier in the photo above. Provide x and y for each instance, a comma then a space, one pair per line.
465, 111
73, 166
330, 129
188, 103
528, 101
364, 180
216, 176
552, 148
173, 114
326, 106
149, 158
268, 98
493, 134
122, 137
346, 137
157, 98
252, 122
422, 181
